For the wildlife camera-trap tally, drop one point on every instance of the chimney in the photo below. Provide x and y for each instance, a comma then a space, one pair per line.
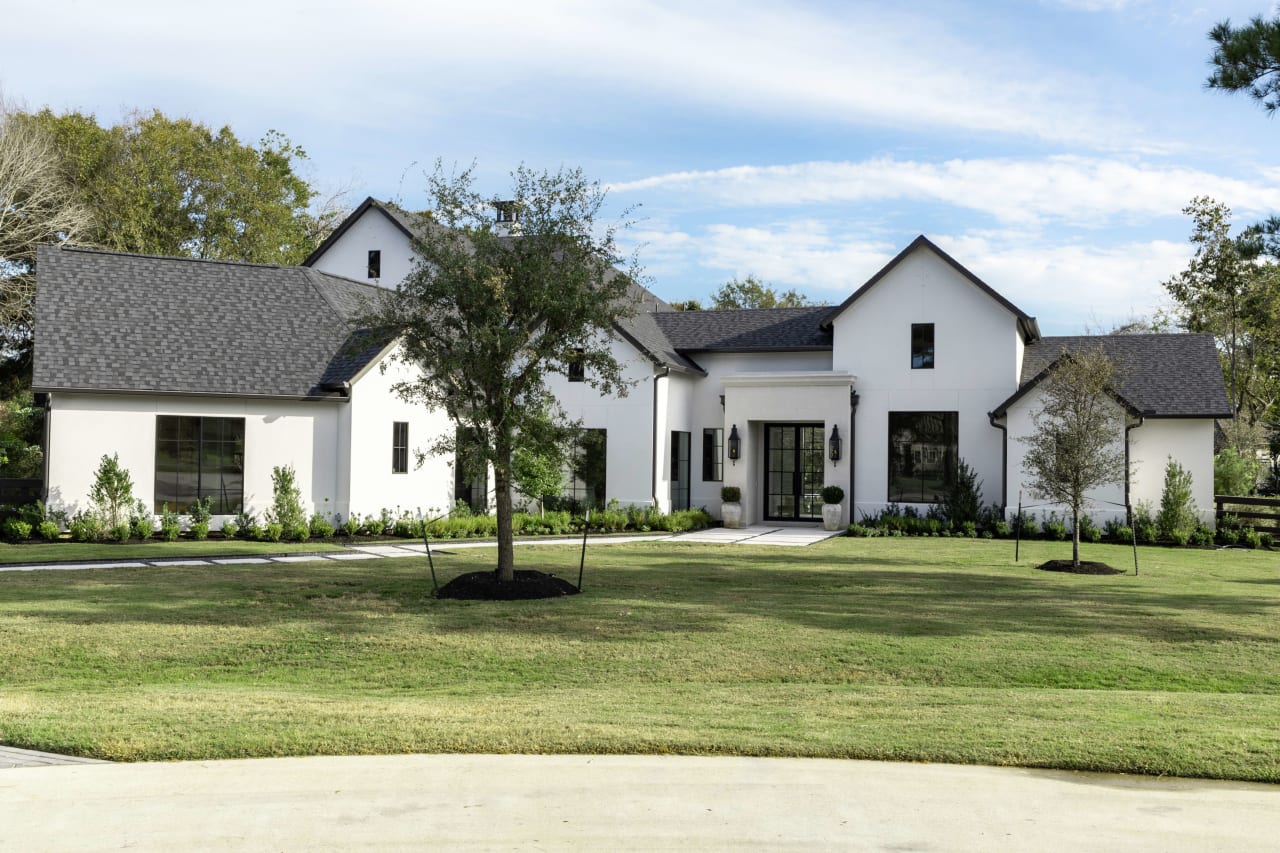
507, 220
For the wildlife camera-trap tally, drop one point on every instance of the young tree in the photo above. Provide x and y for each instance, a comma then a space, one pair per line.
112, 491
751, 292
487, 314
1073, 448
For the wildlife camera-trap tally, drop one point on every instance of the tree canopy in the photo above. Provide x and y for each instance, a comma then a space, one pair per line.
1247, 59
487, 315
1073, 446
751, 292
173, 186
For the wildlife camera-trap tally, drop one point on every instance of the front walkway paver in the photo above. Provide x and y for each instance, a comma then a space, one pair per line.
795, 536
11, 756
583, 802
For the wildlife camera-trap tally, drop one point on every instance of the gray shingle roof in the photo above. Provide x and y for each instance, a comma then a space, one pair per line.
120, 322
746, 330
1168, 375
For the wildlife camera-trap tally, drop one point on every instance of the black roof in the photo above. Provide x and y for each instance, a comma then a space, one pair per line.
1026, 323
1160, 376
746, 330
109, 321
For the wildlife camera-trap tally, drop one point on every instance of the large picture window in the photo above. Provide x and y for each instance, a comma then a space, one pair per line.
198, 458
680, 470
923, 451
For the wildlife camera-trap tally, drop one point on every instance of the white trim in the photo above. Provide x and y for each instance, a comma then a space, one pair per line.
790, 378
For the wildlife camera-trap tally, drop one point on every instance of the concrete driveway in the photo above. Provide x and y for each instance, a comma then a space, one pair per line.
484, 802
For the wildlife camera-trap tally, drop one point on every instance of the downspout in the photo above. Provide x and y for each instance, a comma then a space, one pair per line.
1128, 428
853, 454
653, 466
1004, 461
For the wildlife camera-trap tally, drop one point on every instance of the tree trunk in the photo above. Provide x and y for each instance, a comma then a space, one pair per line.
1075, 538
502, 500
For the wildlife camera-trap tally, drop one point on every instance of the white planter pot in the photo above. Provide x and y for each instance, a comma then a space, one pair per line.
831, 517
732, 515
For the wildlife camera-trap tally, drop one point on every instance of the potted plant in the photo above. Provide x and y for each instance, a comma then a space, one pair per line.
730, 508
831, 498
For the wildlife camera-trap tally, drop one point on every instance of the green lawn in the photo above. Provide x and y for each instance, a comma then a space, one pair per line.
42, 552
912, 649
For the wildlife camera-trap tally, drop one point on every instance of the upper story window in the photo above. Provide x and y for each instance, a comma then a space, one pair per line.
921, 346
375, 263
577, 370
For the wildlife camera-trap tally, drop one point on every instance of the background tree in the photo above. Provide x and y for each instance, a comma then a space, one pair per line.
485, 317
37, 205
751, 292
1073, 447
1247, 59
173, 186
1232, 293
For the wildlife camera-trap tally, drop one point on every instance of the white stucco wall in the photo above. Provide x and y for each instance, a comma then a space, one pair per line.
976, 361
1190, 443
84, 427
628, 421
349, 255
374, 407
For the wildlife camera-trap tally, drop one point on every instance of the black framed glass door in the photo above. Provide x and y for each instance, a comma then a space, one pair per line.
794, 466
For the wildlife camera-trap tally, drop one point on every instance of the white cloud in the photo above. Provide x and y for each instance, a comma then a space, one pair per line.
379, 62
1065, 285
1082, 191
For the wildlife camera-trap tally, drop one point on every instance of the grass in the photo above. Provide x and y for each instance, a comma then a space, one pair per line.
910, 649
41, 552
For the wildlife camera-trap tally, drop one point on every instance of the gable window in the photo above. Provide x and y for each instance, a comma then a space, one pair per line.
921, 346
712, 455
375, 263
577, 370
400, 447
923, 452
198, 458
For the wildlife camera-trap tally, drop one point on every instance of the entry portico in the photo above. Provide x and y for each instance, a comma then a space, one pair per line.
785, 422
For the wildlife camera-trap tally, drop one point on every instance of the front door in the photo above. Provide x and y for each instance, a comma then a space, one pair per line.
794, 469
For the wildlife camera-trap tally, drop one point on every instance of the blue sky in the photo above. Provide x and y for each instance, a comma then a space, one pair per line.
1049, 146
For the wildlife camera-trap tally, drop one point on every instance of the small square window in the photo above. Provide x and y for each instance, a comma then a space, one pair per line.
577, 370
921, 346
400, 447
375, 263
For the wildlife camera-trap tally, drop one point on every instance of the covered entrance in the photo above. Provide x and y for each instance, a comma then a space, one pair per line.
794, 466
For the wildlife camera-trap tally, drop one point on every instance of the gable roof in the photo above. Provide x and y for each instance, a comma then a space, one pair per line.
1026, 323
746, 330
117, 322
639, 330
1161, 376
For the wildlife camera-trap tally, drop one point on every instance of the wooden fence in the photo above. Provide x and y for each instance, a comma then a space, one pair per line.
1255, 513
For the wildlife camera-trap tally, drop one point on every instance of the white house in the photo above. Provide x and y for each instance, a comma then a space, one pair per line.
204, 375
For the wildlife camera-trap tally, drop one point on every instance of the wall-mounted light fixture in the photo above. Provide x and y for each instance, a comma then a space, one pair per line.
835, 444
735, 445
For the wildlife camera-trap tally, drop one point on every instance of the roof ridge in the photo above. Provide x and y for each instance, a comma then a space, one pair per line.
93, 250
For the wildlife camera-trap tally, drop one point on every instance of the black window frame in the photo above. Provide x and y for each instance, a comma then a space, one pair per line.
399, 447
922, 445
577, 370
586, 471
681, 476
375, 263
213, 448
922, 351
713, 454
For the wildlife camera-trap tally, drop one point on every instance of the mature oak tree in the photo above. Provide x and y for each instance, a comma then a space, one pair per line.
1072, 449
491, 309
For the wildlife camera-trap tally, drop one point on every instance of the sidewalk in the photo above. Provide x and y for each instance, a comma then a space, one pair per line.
488, 802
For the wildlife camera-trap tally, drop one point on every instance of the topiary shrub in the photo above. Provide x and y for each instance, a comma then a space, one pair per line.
730, 494
832, 494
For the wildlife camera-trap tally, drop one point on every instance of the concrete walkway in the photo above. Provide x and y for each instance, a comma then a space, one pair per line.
11, 757
483, 802
797, 536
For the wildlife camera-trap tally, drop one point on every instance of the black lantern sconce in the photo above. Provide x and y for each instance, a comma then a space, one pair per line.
835, 444
735, 445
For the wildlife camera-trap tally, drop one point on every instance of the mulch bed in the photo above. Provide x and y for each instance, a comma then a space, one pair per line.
1085, 568
485, 586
